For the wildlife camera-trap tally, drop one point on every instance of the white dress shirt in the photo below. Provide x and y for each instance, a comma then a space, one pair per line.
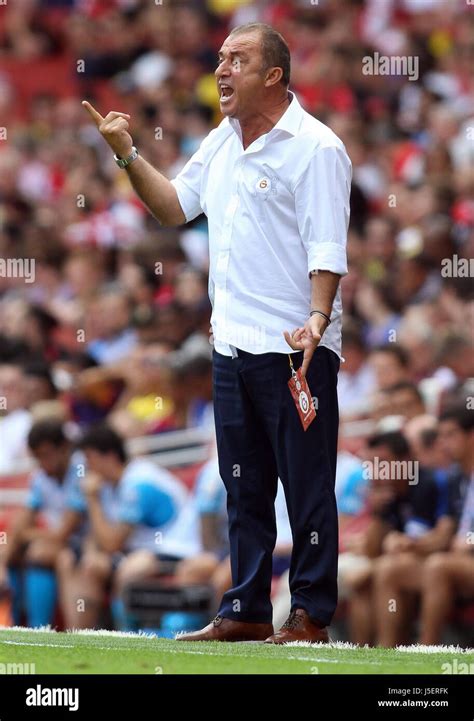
276, 211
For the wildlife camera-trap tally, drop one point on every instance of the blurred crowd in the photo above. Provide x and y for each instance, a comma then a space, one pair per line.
111, 339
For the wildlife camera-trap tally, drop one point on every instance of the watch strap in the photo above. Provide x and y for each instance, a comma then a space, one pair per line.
124, 162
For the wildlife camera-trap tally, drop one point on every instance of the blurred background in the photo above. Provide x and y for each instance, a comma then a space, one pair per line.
114, 328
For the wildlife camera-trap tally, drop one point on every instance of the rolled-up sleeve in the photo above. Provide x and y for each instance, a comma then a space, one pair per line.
188, 186
322, 195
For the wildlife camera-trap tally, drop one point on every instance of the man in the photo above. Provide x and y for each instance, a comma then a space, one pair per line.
406, 523
213, 564
15, 419
420, 564
356, 378
406, 400
133, 511
110, 324
449, 576
274, 183
390, 365
52, 520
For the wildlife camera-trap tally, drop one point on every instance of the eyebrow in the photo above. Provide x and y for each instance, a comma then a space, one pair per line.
234, 52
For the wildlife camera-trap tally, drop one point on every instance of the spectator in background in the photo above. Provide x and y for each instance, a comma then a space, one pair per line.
142, 398
213, 564
418, 339
405, 519
39, 326
52, 519
354, 566
419, 280
422, 434
449, 576
390, 365
380, 245
209, 495
38, 380
409, 558
83, 273
109, 326
132, 507
409, 565
356, 379
375, 303
187, 379
405, 400
455, 360
190, 288
398, 573
456, 440
15, 419
84, 404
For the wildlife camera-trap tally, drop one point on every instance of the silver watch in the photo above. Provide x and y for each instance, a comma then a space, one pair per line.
124, 162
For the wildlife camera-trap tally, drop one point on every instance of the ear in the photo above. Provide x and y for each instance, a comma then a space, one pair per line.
274, 75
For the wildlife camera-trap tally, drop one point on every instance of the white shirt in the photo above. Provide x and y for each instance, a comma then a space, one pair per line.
135, 500
14, 429
276, 211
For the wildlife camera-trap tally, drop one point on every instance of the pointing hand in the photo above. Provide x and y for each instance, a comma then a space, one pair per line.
113, 128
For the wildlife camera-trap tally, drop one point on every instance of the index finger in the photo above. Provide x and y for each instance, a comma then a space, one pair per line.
307, 355
97, 117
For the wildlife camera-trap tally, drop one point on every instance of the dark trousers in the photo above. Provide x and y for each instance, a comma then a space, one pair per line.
260, 438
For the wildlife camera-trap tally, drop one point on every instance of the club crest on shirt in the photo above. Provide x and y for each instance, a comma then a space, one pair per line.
265, 185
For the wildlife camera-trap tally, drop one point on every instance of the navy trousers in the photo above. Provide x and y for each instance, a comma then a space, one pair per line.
260, 438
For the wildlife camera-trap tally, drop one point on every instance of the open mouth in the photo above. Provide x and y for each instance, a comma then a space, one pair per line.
226, 93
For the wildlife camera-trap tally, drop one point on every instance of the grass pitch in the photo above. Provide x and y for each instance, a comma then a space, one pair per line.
89, 652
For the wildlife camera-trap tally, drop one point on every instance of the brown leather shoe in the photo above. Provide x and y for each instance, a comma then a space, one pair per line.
299, 627
224, 629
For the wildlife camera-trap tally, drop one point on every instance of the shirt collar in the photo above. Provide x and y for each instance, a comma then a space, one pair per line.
289, 122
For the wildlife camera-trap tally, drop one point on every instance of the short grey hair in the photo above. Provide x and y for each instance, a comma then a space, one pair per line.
275, 51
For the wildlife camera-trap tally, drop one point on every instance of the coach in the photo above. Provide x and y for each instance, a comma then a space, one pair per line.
274, 183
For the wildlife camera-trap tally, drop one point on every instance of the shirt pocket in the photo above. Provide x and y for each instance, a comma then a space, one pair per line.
263, 188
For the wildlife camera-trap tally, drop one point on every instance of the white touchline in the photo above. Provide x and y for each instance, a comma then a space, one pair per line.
42, 645
66, 645
419, 648
335, 645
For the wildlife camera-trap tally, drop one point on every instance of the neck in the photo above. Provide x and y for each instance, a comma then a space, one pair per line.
263, 121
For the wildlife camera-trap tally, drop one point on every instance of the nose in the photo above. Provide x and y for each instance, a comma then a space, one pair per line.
222, 70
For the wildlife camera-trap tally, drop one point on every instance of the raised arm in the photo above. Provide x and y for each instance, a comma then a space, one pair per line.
156, 191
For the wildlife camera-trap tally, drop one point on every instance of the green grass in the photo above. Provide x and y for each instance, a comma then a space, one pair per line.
75, 653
